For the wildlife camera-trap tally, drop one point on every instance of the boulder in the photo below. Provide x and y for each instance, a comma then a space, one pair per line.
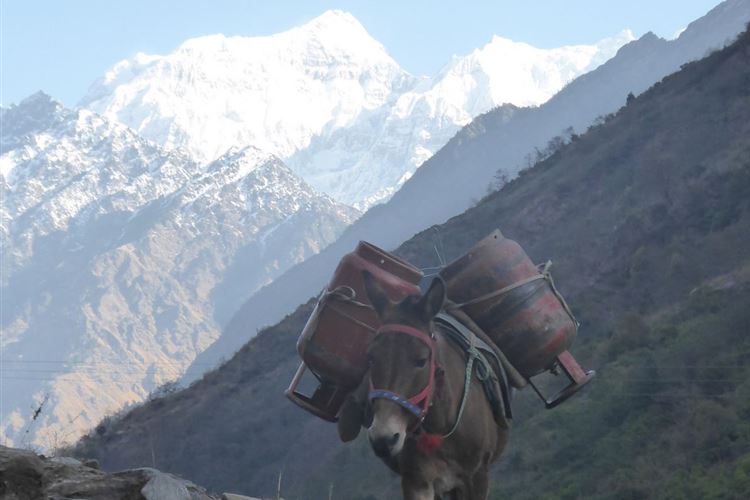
24, 475
235, 496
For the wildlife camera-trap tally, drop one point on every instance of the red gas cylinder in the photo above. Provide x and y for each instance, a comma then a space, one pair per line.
333, 344
515, 303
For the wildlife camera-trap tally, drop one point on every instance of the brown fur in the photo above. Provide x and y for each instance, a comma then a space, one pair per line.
460, 468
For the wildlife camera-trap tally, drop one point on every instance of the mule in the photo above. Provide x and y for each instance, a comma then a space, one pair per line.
412, 401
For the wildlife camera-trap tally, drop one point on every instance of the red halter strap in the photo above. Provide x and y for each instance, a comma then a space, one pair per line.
420, 402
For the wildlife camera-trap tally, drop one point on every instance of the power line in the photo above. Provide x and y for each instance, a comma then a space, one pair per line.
84, 370
59, 361
63, 379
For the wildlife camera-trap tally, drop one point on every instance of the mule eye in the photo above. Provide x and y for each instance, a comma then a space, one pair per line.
420, 362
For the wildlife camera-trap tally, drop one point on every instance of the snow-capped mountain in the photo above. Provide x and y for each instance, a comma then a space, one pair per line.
274, 92
61, 167
367, 162
122, 260
328, 99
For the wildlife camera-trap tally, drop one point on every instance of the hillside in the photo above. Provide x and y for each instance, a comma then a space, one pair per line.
647, 218
456, 176
121, 261
26, 475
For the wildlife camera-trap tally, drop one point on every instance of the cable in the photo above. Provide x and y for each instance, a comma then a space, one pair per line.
98, 362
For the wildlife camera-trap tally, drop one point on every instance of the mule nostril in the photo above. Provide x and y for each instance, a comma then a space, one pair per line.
380, 447
394, 439
384, 446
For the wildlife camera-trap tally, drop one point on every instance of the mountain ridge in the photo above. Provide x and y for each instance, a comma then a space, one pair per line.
121, 260
327, 98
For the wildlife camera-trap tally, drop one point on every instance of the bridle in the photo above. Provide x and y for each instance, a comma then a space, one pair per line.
420, 402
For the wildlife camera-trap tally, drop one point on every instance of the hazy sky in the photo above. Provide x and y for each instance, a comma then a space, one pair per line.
62, 46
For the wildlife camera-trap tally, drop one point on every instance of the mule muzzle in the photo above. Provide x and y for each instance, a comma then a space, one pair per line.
386, 446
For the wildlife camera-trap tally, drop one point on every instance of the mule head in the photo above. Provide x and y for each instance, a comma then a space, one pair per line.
402, 364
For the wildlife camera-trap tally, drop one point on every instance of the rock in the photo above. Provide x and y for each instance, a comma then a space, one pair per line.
26, 476
92, 462
164, 487
69, 461
21, 475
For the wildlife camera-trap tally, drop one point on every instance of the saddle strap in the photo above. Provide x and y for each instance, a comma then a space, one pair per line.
490, 373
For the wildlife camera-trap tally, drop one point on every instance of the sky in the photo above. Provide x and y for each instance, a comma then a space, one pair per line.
61, 47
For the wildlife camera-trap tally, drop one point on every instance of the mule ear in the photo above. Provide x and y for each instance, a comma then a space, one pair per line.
375, 293
355, 413
351, 419
432, 302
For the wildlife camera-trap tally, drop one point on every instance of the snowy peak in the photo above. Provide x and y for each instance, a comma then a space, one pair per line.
243, 161
328, 99
335, 19
59, 165
245, 174
37, 112
608, 47
336, 28
524, 75
332, 30
371, 159
334, 33
275, 92
36, 104
252, 174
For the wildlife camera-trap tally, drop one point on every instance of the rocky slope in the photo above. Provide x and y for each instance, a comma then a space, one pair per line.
121, 261
24, 475
646, 217
504, 140
327, 98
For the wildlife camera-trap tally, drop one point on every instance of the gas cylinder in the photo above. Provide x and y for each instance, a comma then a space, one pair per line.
333, 344
513, 301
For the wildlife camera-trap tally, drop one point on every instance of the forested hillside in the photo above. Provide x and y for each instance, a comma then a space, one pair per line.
647, 218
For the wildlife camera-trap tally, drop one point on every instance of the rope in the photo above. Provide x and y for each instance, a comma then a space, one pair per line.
497, 293
494, 380
343, 293
352, 318
439, 243
507, 370
544, 274
473, 354
347, 295
548, 277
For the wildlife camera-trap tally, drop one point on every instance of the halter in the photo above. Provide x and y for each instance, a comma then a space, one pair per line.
420, 402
